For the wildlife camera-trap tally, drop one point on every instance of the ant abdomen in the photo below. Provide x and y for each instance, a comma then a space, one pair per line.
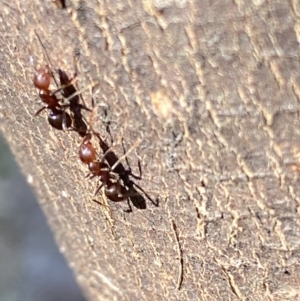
42, 78
59, 119
115, 191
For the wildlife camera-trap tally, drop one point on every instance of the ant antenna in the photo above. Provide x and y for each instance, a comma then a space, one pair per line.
46, 56
93, 112
75, 64
65, 86
92, 85
90, 120
124, 155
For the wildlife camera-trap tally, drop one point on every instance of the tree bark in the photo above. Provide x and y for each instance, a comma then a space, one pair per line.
207, 94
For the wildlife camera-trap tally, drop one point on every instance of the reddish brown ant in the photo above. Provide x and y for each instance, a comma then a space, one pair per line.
112, 173
57, 117
113, 188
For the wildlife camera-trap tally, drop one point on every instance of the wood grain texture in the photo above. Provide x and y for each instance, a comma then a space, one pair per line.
211, 91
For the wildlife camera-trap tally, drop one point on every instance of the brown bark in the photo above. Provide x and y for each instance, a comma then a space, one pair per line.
211, 92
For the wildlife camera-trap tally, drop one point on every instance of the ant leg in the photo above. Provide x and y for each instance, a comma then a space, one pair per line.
124, 155
63, 86
99, 203
92, 85
129, 210
129, 171
90, 176
106, 153
134, 197
156, 204
84, 108
98, 189
39, 111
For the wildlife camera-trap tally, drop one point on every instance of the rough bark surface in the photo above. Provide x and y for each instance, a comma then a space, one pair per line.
211, 91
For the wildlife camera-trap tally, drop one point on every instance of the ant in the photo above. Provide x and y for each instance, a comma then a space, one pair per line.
112, 172
57, 117
113, 188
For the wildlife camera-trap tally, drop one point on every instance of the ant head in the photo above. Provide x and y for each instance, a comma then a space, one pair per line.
42, 78
87, 152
